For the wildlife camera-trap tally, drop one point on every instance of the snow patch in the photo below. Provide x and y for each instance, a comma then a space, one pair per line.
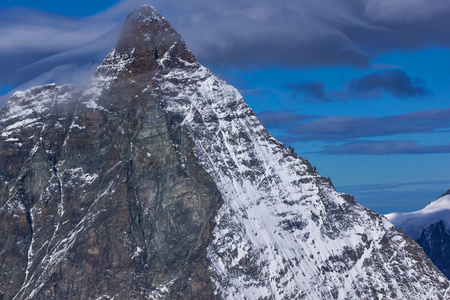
283, 232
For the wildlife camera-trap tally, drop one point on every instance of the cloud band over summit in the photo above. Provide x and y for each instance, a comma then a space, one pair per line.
265, 33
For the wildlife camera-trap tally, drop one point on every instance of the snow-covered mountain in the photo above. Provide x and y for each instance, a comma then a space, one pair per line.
157, 181
430, 228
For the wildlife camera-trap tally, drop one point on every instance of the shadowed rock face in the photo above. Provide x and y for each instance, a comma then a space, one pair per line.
106, 200
152, 42
435, 241
157, 181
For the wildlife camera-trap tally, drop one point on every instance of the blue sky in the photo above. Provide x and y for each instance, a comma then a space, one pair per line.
359, 88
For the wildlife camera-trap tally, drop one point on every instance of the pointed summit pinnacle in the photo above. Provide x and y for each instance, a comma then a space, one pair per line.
147, 42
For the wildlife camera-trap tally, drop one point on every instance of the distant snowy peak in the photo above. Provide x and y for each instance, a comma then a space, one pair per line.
430, 228
445, 194
414, 222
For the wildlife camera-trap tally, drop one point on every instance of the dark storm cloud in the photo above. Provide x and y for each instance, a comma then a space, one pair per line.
313, 91
394, 82
383, 148
329, 128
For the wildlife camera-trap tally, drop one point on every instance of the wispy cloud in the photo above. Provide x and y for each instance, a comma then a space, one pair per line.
242, 33
395, 82
311, 32
313, 91
267, 32
410, 11
396, 196
334, 128
365, 147
62, 74
373, 86
280, 118
370, 187
34, 42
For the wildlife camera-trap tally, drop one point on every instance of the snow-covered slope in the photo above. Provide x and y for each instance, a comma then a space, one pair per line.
281, 232
413, 223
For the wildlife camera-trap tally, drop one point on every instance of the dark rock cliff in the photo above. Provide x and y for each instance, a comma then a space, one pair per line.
435, 240
105, 201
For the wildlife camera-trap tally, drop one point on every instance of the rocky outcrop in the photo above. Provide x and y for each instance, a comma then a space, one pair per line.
156, 181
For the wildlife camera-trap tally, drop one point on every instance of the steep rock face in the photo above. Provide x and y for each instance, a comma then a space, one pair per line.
430, 228
435, 240
157, 181
102, 200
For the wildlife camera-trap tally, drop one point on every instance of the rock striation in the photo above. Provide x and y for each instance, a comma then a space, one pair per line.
157, 181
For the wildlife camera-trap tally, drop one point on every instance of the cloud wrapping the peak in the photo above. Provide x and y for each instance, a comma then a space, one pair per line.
34, 42
304, 33
267, 32
251, 33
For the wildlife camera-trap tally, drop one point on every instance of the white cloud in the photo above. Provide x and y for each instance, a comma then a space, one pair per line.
28, 31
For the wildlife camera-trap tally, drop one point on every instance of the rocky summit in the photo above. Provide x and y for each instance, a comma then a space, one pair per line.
157, 181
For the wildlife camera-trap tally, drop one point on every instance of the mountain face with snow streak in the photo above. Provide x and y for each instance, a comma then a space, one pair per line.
430, 228
157, 181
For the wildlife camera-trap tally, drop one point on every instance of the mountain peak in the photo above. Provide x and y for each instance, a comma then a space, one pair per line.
147, 42
145, 28
156, 180
412, 223
430, 228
